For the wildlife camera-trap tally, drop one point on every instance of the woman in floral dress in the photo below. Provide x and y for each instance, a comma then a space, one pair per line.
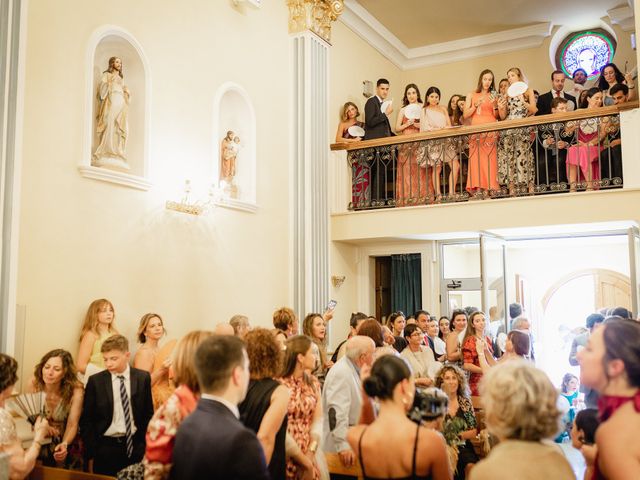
305, 409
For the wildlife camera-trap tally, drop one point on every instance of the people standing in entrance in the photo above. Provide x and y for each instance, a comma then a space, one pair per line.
476, 333
410, 177
557, 85
212, 443
116, 411
482, 107
610, 364
377, 126
97, 327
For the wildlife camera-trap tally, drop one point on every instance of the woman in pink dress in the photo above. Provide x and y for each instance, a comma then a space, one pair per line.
410, 177
582, 158
482, 107
304, 417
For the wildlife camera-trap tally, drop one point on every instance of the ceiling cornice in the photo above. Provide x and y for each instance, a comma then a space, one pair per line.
365, 25
624, 17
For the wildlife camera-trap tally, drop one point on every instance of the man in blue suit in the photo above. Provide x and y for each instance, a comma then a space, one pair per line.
212, 443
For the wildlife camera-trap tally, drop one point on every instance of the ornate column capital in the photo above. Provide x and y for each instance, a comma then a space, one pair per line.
314, 15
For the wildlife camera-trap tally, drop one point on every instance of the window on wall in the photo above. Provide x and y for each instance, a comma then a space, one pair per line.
587, 49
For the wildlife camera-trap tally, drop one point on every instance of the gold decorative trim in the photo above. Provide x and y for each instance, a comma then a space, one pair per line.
314, 15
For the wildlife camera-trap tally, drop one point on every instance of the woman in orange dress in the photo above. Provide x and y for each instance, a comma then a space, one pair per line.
411, 179
482, 107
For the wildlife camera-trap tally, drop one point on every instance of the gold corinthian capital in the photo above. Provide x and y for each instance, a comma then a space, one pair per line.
314, 15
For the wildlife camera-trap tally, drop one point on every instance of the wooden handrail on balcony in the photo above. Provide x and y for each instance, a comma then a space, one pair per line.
579, 114
51, 473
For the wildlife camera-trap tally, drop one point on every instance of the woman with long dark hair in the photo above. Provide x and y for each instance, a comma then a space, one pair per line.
411, 178
610, 75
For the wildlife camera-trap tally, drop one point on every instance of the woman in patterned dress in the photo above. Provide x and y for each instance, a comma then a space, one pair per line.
56, 377
516, 166
21, 461
161, 433
304, 411
476, 333
348, 118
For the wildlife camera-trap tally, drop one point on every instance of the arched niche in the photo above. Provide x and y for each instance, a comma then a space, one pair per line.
106, 42
233, 111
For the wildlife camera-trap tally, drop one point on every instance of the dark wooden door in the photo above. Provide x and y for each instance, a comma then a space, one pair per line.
383, 288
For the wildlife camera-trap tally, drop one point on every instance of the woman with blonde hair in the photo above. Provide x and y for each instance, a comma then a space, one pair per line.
314, 327
56, 376
150, 331
521, 410
516, 165
476, 334
348, 118
161, 433
97, 327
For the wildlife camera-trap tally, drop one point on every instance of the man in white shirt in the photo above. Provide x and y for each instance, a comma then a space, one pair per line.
116, 411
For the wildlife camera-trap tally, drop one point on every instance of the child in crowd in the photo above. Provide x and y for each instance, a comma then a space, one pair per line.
583, 437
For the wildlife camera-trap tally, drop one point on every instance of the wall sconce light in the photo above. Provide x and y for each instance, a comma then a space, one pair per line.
196, 207
337, 280
367, 88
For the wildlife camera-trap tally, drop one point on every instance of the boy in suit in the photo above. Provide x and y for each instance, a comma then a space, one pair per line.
212, 443
116, 411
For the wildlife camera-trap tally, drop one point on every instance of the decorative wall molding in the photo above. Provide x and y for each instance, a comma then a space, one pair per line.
314, 15
114, 176
624, 17
365, 25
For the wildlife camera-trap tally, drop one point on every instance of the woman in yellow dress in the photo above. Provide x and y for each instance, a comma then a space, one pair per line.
97, 327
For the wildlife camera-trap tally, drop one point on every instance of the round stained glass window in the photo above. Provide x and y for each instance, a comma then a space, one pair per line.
589, 50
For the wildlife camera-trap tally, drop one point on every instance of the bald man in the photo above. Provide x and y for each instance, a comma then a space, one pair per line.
342, 398
223, 329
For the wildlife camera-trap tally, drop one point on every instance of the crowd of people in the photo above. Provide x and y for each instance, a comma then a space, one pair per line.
418, 397
514, 159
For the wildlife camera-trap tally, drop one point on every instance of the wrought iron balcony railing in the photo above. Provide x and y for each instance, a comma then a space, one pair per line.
566, 152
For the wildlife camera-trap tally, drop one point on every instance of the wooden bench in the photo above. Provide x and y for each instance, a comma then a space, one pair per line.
337, 468
50, 473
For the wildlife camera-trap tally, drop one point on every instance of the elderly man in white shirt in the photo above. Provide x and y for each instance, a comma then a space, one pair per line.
342, 397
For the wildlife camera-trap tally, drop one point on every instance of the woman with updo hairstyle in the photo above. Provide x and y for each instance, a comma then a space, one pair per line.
304, 410
521, 410
392, 446
56, 376
285, 322
150, 331
314, 327
98, 325
610, 364
517, 346
161, 432
460, 414
21, 461
264, 408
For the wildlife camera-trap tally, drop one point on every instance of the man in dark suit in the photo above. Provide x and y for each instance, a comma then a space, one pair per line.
557, 85
212, 443
377, 126
116, 411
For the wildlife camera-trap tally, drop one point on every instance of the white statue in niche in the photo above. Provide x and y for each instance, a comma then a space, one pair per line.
229, 149
112, 125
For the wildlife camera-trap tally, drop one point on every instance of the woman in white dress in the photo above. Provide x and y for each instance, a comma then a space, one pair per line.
423, 363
